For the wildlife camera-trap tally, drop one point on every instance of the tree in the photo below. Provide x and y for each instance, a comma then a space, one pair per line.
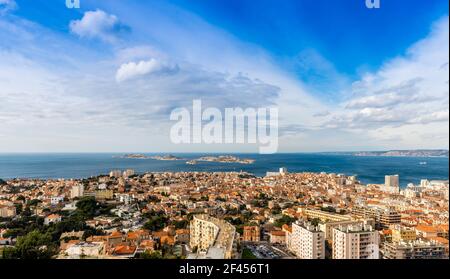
151, 256
87, 207
35, 245
315, 222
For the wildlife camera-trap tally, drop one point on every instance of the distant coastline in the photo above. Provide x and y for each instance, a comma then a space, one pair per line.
217, 159
416, 153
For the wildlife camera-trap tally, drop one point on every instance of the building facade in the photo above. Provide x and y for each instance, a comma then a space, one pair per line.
355, 242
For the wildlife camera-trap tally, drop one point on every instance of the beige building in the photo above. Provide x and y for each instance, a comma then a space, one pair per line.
328, 227
7, 211
401, 233
77, 191
324, 216
391, 184
414, 250
252, 234
355, 242
307, 241
212, 238
384, 217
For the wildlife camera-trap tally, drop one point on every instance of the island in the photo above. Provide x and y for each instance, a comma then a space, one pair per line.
405, 153
225, 159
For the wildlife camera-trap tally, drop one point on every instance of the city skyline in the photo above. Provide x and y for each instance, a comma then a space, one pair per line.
105, 77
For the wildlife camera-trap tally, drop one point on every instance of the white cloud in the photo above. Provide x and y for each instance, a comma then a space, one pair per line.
7, 6
407, 92
132, 70
97, 24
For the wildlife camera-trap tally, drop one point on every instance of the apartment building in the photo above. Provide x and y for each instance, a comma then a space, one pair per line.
401, 233
213, 238
77, 191
7, 211
307, 241
384, 217
324, 216
328, 227
252, 233
418, 249
355, 242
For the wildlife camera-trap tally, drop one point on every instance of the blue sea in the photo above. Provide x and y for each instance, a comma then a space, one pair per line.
368, 169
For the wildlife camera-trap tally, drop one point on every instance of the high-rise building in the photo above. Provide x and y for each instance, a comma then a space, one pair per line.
307, 241
355, 242
391, 184
212, 238
115, 173
391, 180
128, 173
77, 191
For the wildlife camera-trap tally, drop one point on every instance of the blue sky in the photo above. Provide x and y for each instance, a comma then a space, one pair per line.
334, 68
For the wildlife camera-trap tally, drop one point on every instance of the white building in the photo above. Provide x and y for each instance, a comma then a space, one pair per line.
355, 242
84, 250
128, 173
56, 200
307, 241
391, 184
115, 173
77, 191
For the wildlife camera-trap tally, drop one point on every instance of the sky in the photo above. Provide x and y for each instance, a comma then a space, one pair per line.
105, 77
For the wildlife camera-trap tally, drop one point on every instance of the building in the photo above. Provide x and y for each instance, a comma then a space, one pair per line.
324, 216
77, 191
52, 219
84, 250
212, 238
401, 233
277, 237
355, 242
128, 173
56, 200
384, 217
7, 211
281, 171
252, 234
328, 227
418, 249
115, 173
391, 184
307, 241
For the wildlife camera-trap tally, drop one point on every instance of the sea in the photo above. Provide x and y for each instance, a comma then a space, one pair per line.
369, 169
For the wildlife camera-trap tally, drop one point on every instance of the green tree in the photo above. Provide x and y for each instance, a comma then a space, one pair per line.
35, 245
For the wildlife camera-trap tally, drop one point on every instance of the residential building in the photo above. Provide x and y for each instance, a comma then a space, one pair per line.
212, 238
252, 233
307, 241
355, 242
418, 249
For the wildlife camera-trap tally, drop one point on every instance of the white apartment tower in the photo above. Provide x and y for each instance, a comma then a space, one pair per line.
391, 181
77, 191
307, 241
355, 242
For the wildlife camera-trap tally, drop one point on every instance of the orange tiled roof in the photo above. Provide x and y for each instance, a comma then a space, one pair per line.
124, 250
278, 233
429, 229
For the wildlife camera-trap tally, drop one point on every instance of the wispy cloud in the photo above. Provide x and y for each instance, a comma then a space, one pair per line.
7, 6
98, 25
